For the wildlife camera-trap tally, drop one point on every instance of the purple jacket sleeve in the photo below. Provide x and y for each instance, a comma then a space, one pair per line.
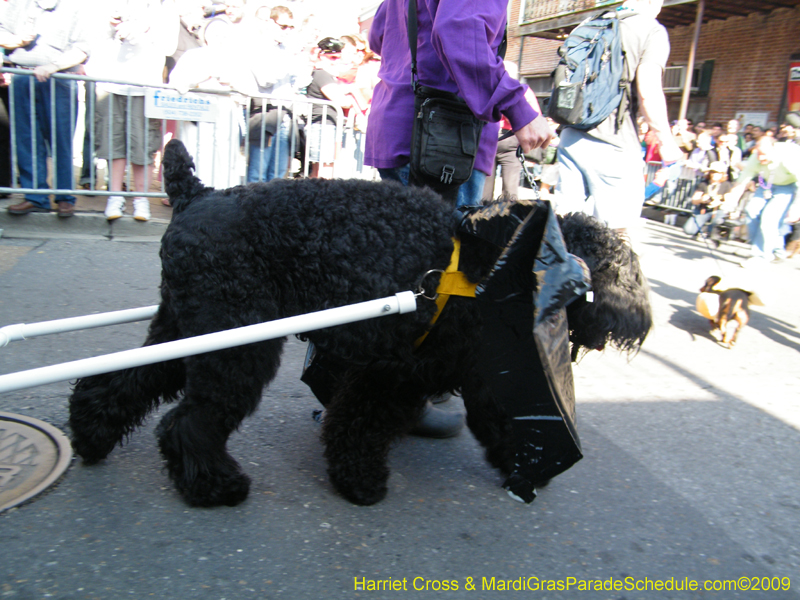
465, 36
376, 29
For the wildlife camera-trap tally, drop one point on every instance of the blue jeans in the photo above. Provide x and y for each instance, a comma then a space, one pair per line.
66, 102
470, 193
269, 164
764, 218
704, 221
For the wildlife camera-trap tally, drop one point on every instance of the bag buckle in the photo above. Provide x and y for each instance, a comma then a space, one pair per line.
447, 174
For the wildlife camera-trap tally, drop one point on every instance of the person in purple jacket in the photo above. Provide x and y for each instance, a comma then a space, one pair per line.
457, 44
456, 52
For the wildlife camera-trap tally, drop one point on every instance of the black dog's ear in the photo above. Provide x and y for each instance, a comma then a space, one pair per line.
710, 283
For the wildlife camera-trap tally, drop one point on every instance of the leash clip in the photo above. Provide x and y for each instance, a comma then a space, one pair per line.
421, 291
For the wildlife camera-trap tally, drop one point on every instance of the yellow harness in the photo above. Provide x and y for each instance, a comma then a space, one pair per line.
452, 283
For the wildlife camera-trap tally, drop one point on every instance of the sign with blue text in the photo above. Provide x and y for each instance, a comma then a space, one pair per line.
170, 104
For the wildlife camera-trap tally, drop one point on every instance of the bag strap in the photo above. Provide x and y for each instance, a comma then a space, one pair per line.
628, 103
412, 43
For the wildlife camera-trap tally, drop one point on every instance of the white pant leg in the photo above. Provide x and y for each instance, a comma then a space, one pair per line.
612, 176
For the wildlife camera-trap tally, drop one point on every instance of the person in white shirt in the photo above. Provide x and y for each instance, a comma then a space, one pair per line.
136, 37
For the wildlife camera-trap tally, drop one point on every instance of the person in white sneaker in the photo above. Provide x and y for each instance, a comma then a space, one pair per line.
139, 36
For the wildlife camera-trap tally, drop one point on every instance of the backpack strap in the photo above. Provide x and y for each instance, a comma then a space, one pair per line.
628, 103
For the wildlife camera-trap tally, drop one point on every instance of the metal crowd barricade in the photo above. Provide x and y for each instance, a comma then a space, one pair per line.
676, 196
53, 141
219, 138
298, 113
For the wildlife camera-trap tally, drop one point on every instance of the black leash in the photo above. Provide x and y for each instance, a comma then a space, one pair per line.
706, 240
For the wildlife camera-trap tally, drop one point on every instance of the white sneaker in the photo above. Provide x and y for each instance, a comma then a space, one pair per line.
114, 207
141, 209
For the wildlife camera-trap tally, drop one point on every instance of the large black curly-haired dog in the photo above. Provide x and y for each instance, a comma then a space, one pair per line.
255, 253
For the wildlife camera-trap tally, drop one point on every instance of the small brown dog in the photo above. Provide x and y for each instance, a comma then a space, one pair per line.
733, 307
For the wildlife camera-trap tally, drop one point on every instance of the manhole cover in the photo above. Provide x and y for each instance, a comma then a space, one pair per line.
33, 455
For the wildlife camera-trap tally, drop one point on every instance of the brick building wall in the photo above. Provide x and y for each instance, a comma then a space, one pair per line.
751, 61
538, 55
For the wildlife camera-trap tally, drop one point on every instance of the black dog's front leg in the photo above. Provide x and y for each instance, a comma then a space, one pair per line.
222, 388
368, 412
489, 423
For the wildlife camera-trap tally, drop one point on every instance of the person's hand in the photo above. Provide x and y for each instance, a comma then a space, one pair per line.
181, 87
661, 177
669, 150
12, 42
536, 134
131, 31
212, 83
43, 73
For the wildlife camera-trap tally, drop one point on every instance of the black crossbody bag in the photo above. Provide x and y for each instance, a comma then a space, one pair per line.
446, 133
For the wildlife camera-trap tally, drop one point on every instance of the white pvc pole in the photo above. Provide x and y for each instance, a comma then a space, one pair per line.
23, 331
403, 302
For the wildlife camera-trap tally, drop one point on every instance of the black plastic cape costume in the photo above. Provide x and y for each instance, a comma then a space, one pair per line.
524, 353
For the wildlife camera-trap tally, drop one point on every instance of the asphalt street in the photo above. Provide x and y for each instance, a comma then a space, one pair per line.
691, 468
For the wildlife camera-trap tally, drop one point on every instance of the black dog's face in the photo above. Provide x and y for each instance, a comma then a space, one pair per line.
619, 312
708, 286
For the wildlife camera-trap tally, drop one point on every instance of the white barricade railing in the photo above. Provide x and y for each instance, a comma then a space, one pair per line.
400, 303
25, 331
219, 139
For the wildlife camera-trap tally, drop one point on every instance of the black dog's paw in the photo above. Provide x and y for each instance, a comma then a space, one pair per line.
216, 482
91, 452
93, 440
226, 489
359, 484
501, 458
203, 474
362, 495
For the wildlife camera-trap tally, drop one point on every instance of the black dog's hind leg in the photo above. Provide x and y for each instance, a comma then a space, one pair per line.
368, 412
222, 388
104, 409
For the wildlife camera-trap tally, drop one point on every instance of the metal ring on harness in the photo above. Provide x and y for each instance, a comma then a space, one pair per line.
421, 290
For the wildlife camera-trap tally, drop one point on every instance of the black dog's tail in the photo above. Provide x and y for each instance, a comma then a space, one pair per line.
179, 180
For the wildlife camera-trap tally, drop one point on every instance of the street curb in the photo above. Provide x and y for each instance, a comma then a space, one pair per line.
81, 224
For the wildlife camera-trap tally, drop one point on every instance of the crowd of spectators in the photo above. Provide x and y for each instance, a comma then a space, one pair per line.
717, 159
273, 58
269, 59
